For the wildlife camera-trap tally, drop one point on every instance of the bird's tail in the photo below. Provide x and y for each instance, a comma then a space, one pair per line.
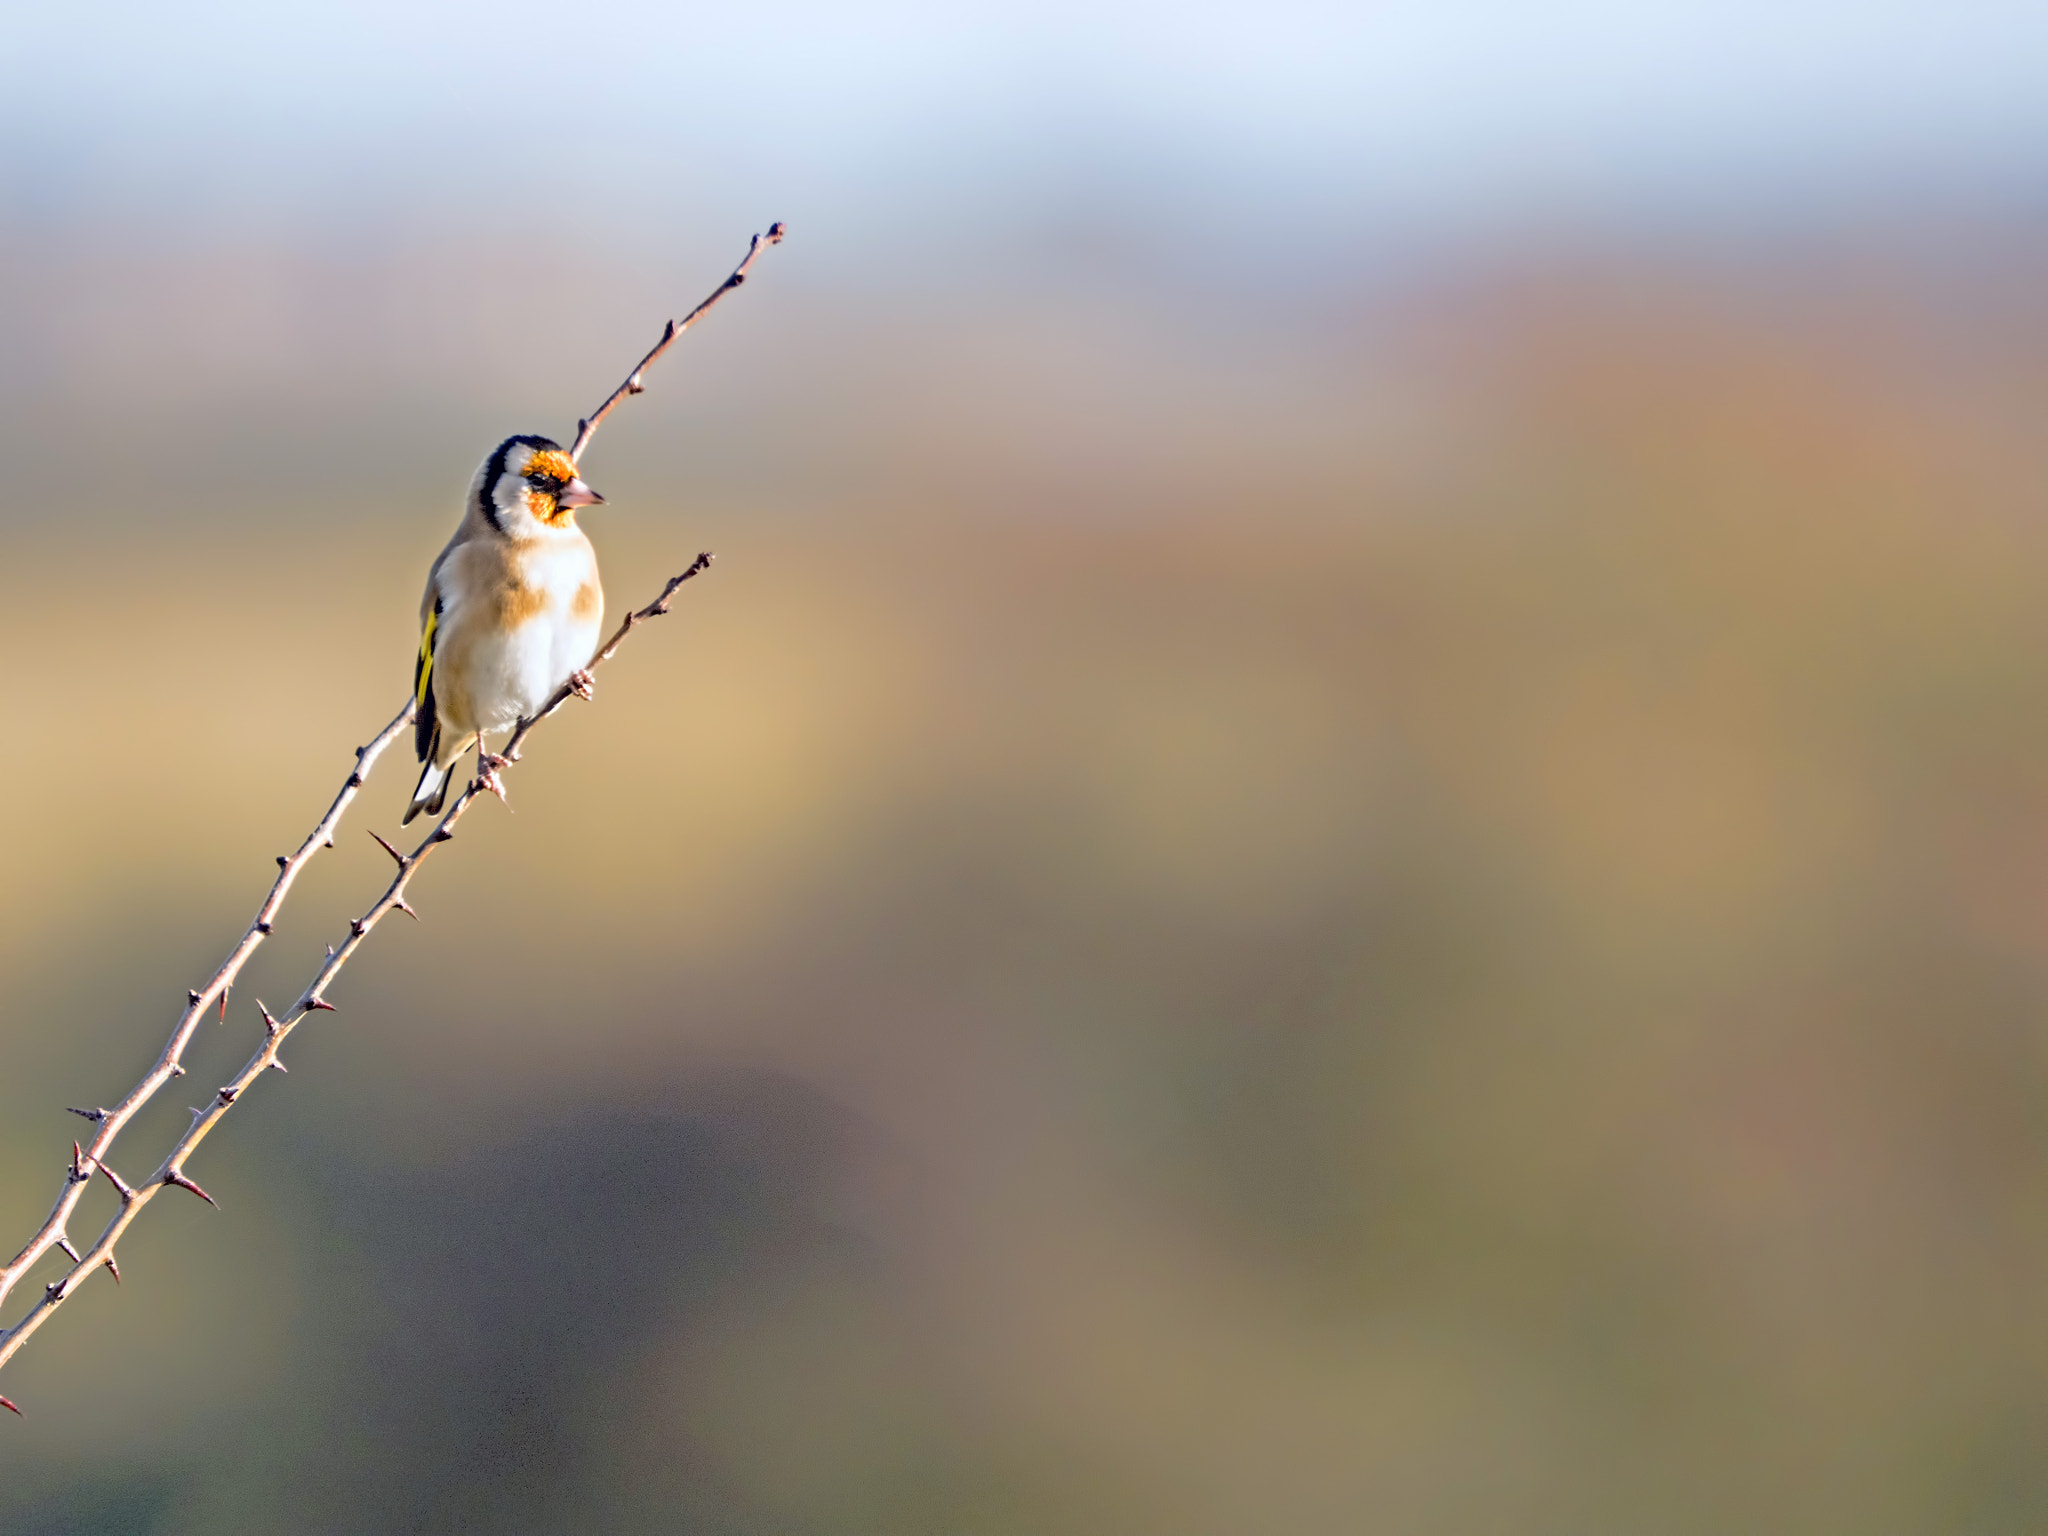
432, 791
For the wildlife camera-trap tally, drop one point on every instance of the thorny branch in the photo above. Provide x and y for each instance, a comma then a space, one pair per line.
85, 1161
587, 427
170, 1063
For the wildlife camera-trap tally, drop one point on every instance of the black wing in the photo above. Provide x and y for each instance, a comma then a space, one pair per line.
426, 726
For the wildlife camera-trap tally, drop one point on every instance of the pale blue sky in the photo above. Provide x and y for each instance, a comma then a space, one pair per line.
1398, 112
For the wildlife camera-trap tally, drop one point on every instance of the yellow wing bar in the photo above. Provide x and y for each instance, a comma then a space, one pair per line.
426, 666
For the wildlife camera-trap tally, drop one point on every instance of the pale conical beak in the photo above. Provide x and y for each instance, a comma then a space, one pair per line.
577, 494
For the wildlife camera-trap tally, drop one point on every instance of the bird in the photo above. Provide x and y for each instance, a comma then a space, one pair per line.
511, 611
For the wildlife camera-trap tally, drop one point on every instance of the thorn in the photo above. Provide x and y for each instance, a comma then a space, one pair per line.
263, 927
179, 1179
70, 1252
355, 781
283, 862
120, 1185
79, 1172
274, 1062
11, 1408
402, 859
113, 1268
177, 1069
402, 905
224, 991
359, 753
270, 1025
320, 1005
55, 1291
444, 834
194, 996
94, 1115
357, 927
227, 1094
330, 951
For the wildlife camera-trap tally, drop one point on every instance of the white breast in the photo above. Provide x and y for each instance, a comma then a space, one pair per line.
514, 671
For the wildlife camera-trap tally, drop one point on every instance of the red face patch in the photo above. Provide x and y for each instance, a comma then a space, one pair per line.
554, 465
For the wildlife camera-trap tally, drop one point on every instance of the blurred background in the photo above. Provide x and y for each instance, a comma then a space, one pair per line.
1354, 837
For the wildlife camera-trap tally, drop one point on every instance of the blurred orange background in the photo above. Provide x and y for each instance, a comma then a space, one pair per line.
1320, 860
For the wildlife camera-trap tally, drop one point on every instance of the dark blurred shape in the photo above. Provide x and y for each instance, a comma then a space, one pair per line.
509, 1302
121, 1504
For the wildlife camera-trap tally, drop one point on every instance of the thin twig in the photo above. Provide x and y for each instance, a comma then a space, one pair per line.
587, 427
170, 1063
312, 1000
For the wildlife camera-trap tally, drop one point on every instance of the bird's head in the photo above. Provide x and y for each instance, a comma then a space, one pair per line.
528, 485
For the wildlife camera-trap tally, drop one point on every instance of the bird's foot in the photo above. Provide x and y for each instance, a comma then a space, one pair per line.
487, 766
582, 684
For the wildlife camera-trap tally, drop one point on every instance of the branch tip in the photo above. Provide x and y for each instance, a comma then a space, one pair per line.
636, 383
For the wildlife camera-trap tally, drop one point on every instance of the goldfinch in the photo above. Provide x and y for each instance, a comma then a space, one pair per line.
511, 611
